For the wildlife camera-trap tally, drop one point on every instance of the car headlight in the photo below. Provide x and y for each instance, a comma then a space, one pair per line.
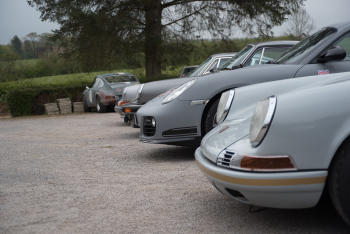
261, 120
177, 92
224, 105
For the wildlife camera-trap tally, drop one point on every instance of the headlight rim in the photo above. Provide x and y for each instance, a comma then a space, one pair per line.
271, 109
227, 106
185, 86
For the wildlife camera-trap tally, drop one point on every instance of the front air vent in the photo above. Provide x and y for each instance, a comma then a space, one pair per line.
188, 131
149, 126
224, 159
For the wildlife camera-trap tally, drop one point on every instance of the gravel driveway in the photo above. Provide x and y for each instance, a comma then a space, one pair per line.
89, 173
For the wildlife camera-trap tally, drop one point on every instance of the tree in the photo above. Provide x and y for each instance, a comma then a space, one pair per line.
127, 22
16, 44
300, 24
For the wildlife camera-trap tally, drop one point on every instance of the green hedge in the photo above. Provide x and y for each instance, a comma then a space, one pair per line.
30, 101
27, 97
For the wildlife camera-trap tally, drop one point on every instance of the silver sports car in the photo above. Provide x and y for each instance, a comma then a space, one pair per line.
283, 144
185, 114
106, 90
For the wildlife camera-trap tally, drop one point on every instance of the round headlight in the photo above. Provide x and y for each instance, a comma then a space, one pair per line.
177, 92
224, 105
261, 120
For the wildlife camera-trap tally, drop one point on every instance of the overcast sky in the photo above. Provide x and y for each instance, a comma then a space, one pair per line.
17, 18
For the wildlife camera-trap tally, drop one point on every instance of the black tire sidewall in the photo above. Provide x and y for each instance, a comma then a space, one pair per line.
209, 119
338, 182
102, 107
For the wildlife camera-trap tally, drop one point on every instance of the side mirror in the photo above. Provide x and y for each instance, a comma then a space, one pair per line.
333, 54
212, 70
87, 87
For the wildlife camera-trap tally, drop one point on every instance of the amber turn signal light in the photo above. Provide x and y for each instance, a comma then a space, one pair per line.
127, 110
120, 103
267, 163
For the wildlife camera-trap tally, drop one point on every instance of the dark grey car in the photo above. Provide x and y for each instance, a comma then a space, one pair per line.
187, 113
106, 90
252, 54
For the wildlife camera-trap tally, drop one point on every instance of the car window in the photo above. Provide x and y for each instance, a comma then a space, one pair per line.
238, 58
100, 83
213, 65
266, 54
222, 62
199, 69
272, 53
305, 46
255, 59
120, 78
344, 42
95, 85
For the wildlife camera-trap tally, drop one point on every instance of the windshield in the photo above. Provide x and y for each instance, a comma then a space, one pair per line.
198, 70
237, 59
120, 78
305, 46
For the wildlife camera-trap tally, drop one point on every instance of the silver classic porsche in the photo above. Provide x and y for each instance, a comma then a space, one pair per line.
283, 144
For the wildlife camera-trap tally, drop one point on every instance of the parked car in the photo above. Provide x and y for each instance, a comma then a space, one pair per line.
134, 97
185, 114
287, 150
106, 90
252, 54
186, 71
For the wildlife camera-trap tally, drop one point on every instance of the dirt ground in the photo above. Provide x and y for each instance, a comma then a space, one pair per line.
89, 173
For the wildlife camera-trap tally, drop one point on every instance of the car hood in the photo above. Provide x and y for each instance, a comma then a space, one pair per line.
237, 123
153, 89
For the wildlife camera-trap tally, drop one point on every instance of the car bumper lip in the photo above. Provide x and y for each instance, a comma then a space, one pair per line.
300, 189
176, 141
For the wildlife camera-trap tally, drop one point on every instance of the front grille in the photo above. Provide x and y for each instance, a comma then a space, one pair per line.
148, 128
224, 159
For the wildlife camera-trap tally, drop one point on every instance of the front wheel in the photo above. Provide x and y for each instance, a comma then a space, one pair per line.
100, 108
210, 123
338, 182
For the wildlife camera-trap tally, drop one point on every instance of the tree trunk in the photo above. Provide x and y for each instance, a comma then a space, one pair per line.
153, 37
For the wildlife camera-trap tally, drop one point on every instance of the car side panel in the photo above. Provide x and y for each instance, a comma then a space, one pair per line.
208, 86
324, 68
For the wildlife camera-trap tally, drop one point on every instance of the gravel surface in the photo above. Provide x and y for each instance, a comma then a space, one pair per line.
88, 173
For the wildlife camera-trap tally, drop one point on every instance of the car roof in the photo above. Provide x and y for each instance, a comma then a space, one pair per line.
274, 43
115, 74
224, 54
340, 26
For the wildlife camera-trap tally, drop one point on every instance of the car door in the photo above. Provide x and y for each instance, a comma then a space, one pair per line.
316, 68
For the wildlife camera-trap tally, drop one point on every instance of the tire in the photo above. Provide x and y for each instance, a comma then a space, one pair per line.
86, 107
338, 182
100, 108
209, 122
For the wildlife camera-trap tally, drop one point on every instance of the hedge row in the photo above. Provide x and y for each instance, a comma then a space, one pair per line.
27, 97
31, 101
